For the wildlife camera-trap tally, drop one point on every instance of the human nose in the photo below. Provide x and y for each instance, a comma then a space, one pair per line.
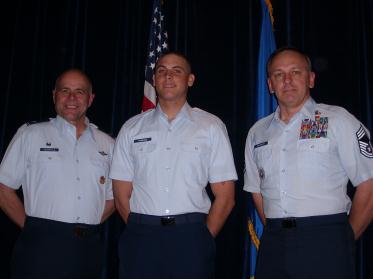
169, 74
287, 78
71, 95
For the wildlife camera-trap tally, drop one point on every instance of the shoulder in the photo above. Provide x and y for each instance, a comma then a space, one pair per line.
35, 126
336, 113
100, 135
139, 119
262, 124
205, 118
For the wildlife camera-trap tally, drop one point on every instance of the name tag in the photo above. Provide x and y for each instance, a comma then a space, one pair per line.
260, 144
142, 140
53, 149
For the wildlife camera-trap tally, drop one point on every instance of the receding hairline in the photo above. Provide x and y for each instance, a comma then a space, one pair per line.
74, 70
282, 50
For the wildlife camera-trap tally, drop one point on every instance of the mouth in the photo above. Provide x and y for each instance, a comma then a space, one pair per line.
289, 90
169, 85
72, 107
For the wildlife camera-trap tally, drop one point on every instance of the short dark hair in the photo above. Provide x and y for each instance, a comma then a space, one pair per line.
287, 48
180, 54
76, 70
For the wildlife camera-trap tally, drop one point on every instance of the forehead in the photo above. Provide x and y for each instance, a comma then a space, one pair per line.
73, 79
288, 58
172, 60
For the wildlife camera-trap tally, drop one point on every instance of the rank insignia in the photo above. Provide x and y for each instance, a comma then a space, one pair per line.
365, 145
261, 173
102, 180
103, 153
48, 143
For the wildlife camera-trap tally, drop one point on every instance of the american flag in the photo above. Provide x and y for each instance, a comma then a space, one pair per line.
157, 45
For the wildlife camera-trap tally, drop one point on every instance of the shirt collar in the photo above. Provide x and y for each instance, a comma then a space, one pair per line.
184, 113
307, 110
309, 107
65, 127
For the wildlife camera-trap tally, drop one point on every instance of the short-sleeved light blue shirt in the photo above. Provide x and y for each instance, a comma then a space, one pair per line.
63, 178
170, 163
302, 168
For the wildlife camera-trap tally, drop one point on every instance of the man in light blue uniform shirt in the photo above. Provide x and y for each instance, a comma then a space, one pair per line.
63, 167
298, 163
163, 160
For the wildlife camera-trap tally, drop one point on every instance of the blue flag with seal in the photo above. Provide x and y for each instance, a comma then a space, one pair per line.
266, 104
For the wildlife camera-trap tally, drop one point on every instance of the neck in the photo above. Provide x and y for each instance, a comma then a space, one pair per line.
287, 112
80, 129
171, 109
80, 126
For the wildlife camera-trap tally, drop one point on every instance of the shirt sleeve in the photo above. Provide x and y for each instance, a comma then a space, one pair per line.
109, 185
251, 174
13, 165
354, 149
122, 167
222, 166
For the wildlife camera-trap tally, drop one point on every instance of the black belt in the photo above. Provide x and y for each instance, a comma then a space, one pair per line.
293, 222
56, 227
188, 218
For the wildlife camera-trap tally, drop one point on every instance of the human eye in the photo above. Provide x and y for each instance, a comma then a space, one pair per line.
296, 72
63, 91
278, 75
160, 71
79, 91
178, 71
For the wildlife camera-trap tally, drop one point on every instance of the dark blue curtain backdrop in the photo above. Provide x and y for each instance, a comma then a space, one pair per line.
108, 39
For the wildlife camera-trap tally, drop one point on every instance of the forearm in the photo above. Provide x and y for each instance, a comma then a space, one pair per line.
12, 205
123, 208
258, 201
221, 207
122, 194
108, 210
361, 213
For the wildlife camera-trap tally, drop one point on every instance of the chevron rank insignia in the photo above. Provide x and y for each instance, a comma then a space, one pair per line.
365, 145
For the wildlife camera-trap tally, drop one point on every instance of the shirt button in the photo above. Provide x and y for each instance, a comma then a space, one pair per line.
79, 197
168, 148
77, 218
167, 211
78, 179
169, 129
77, 160
284, 149
283, 170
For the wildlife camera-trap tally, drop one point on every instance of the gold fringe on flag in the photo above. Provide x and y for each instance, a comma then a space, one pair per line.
253, 236
270, 9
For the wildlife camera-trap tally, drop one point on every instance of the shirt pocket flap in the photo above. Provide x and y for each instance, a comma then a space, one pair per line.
194, 147
315, 145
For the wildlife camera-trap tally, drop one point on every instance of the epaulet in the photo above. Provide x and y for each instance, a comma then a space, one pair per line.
35, 122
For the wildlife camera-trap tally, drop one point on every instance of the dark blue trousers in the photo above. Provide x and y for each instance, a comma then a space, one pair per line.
177, 248
49, 249
319, 247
